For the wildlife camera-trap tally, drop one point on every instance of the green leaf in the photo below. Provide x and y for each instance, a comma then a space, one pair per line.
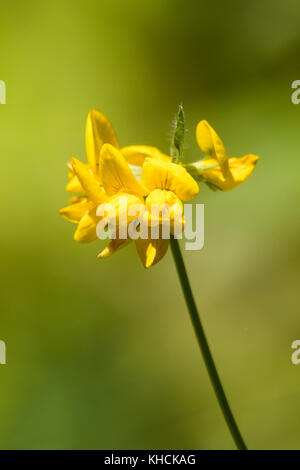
178, 136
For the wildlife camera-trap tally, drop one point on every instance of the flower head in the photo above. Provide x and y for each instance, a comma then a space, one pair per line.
163, 185
139, 191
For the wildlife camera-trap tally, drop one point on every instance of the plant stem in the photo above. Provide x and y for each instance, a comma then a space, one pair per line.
208, 359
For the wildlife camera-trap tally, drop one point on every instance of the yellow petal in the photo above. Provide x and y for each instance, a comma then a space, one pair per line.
163, 206
211, 144
136, 154
115, 174
76, 211
240, 169
75, 199
89, 182
86, 230
162, 197
158, 174
151, 251
98, 131
173, 225
112, 247
73, 185
115, 209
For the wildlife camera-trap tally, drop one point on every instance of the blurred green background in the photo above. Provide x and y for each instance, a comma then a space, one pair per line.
101, 354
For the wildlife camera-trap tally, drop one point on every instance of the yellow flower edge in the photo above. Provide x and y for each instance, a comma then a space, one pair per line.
216, 168
240, 169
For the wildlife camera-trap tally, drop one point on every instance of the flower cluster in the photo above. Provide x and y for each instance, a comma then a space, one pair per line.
142, 175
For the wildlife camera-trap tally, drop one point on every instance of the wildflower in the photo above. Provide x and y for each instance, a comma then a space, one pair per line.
163, 184
216, 169
85, 176
108, 188
141, 188
169, 184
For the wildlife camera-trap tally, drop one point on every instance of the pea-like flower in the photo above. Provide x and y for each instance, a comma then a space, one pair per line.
218, 171
169, 184
138, 192
142, 177
163, 186
85, 179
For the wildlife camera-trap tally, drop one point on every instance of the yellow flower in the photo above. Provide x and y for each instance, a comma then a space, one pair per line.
85, 179
216, 169
169, 184
99, 131
162, 182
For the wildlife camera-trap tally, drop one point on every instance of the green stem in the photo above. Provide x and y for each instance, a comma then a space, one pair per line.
208, 359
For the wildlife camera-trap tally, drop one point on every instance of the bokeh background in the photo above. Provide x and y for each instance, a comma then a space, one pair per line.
102, 355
